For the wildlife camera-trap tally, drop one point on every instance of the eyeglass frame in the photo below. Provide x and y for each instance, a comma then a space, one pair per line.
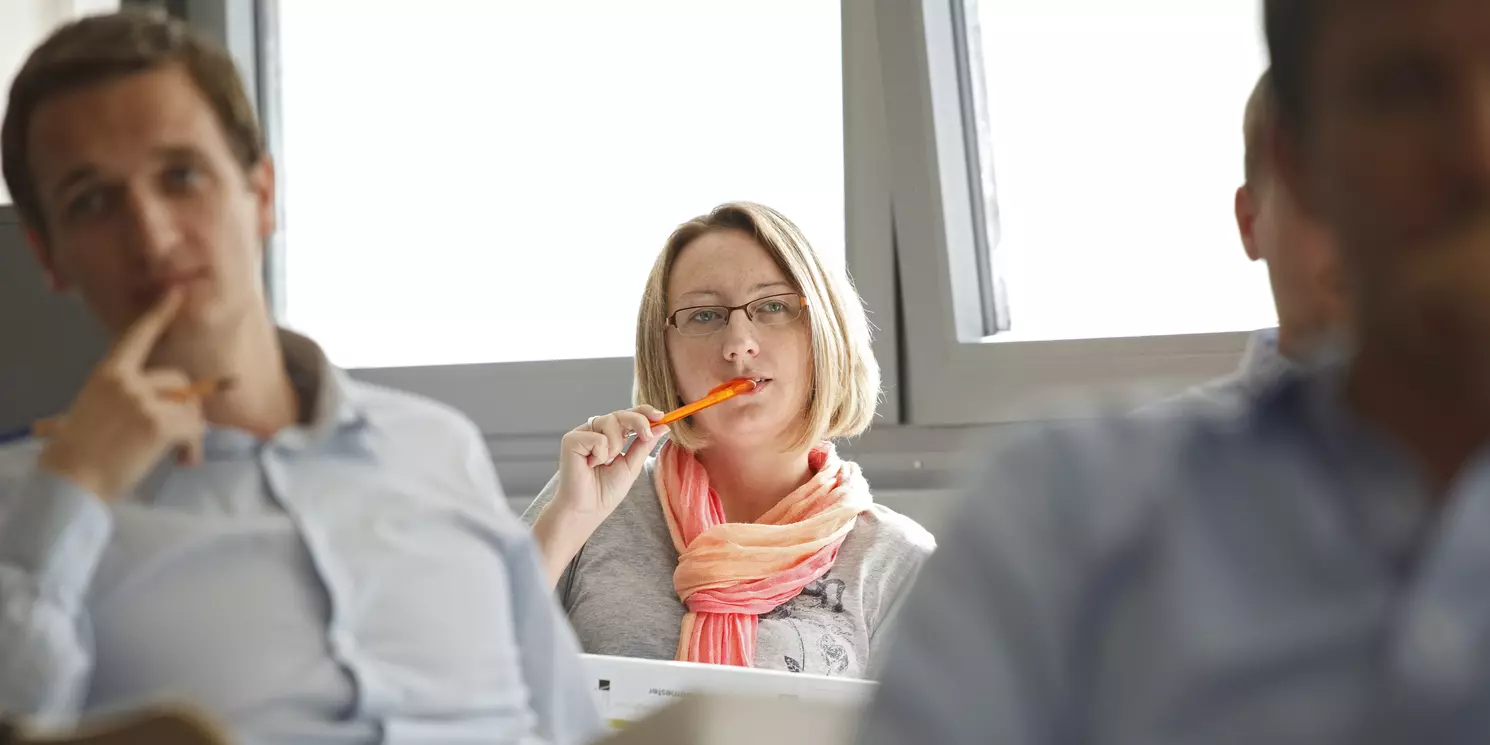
729, 312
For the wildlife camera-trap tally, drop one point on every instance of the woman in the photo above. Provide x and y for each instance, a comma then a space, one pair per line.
746, 540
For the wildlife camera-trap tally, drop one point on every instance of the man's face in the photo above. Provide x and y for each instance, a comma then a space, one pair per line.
140, 192
1394, 155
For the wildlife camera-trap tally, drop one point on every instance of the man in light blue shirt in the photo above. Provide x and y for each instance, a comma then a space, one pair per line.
1312, 567
1303, 269
307, 558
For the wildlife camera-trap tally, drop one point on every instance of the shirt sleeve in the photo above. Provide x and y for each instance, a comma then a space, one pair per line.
562, 590
552, 670
981, 651
550, 657
52, 535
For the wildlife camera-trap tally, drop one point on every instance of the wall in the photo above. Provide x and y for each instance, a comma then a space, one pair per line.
47, 342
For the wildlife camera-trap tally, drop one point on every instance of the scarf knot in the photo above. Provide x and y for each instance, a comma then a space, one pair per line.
730, 573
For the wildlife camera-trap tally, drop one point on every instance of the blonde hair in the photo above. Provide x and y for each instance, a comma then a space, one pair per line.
845, 375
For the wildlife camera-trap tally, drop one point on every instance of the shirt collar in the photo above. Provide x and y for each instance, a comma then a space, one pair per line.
331, 404
1262, 363
1262, 353
329, 400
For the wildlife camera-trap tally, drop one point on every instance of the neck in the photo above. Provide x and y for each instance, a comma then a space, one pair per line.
1440, 413
750, 481
261, 400
1295, 343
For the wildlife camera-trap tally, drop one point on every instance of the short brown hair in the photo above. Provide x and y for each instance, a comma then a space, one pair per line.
102, 48
845, 375
1258, 124
1292, 28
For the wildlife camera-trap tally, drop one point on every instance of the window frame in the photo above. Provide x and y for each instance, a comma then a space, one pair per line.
517, 399
957, 374
910, 248
982, 183
523, 407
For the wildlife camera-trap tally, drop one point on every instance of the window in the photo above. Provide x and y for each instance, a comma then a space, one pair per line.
478, 182
1115, 138
23, 24
1081, 158
473, 193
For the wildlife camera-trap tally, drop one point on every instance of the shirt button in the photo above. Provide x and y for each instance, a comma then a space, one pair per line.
1440, 650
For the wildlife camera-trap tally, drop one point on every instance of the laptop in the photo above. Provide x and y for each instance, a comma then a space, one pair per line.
627, 689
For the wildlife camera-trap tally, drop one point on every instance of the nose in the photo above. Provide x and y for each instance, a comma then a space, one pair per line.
152, 230
740, 339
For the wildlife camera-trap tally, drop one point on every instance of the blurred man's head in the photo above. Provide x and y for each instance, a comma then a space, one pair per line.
1385, 111
132, 152
1300, 256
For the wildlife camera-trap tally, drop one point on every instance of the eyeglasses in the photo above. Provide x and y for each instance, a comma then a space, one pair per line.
772, 310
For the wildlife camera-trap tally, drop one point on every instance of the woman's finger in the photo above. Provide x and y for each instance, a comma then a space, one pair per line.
602, 450
586, 445
636, 423
166, 380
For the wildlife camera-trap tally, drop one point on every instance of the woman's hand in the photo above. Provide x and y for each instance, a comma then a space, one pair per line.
594, 476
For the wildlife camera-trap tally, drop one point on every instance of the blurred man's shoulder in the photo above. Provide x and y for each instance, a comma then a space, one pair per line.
1118, 462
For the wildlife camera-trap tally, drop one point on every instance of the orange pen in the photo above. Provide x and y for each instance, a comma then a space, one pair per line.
200, 389
720, 394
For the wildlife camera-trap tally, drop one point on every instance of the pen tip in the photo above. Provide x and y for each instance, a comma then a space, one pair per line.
226, 383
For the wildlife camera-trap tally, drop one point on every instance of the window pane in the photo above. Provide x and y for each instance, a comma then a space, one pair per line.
23, 25
1116, 134
473, 181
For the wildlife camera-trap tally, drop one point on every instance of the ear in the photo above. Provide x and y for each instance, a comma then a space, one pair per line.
1246, 220
261, 184
56, 279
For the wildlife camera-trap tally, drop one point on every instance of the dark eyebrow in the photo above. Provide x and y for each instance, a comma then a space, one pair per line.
752, 290
73, 178
177, 153
169, 154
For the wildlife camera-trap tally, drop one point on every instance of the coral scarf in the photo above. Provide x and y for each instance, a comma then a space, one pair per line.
730, 573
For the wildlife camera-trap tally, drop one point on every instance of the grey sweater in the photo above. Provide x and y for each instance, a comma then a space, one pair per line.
618, 591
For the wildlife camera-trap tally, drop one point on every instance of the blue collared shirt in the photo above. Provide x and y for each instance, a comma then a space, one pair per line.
1261, 365
1269, 574
356, 579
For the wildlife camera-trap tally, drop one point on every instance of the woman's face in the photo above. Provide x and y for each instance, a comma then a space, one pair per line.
728, 268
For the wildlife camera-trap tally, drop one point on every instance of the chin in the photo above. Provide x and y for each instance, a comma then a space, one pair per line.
747, 429
200, 317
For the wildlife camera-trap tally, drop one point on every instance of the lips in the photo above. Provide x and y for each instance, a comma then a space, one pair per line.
761, 382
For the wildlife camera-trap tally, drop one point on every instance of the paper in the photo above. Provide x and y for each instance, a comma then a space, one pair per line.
627, 689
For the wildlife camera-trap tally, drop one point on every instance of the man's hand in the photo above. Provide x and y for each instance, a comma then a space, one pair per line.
124, 418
